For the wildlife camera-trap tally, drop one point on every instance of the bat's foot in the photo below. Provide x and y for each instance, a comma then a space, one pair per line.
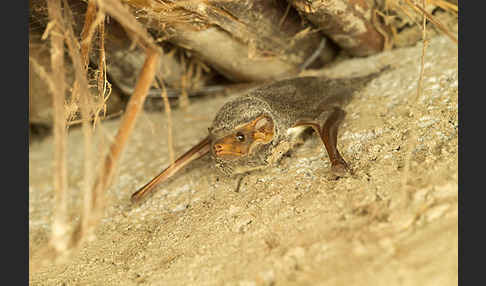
340, 168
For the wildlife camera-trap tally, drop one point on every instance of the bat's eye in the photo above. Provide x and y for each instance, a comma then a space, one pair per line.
240, 137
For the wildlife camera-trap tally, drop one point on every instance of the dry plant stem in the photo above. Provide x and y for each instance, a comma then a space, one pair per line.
284, 15
133, 108
59, 239
388, 39
81, 91
432, 19
88, 165
205, 90
406, 12
101, 63
170, 140
86, 38
422, 60
314, 56
345, 23
89, 21
101, 70
413, 105
48, 29
120, 13
445, 5
185, 84
109, 116
184, 98
44, 75
123, 16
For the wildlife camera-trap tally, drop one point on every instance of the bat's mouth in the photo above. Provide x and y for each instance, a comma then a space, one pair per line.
226, 150
229, 153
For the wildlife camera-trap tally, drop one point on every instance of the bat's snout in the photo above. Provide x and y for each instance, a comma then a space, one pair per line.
217, 148
228, 150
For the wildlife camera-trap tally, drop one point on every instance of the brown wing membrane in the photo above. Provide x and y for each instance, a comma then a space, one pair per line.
201, 149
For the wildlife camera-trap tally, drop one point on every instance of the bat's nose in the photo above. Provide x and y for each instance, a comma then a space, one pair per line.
218, 148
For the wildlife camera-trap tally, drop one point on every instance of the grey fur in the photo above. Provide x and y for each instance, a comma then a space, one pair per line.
287, 102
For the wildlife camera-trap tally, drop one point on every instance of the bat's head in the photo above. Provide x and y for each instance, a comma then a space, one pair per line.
241, 135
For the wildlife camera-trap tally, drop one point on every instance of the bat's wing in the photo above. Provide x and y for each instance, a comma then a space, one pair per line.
201, 149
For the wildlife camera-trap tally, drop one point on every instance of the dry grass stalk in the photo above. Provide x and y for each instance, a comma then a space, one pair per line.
95, 19
170, 140
102, 60
134, 106
87, 35
94, 203
280, 23
422, 58
41, 71
184, 97
109, 116
102, 81
393, 5
445, 5
88, 30
388, 39
420, 10
123, 16
62, 240
60, 236
116, 10
413, 105
82, 92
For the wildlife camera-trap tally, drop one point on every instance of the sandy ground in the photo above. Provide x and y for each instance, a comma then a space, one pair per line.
394, 222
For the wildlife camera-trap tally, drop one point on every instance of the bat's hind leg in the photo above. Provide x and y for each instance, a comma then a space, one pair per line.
328, 132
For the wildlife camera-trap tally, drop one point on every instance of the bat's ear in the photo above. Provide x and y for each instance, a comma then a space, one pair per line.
263, 129
264, 122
